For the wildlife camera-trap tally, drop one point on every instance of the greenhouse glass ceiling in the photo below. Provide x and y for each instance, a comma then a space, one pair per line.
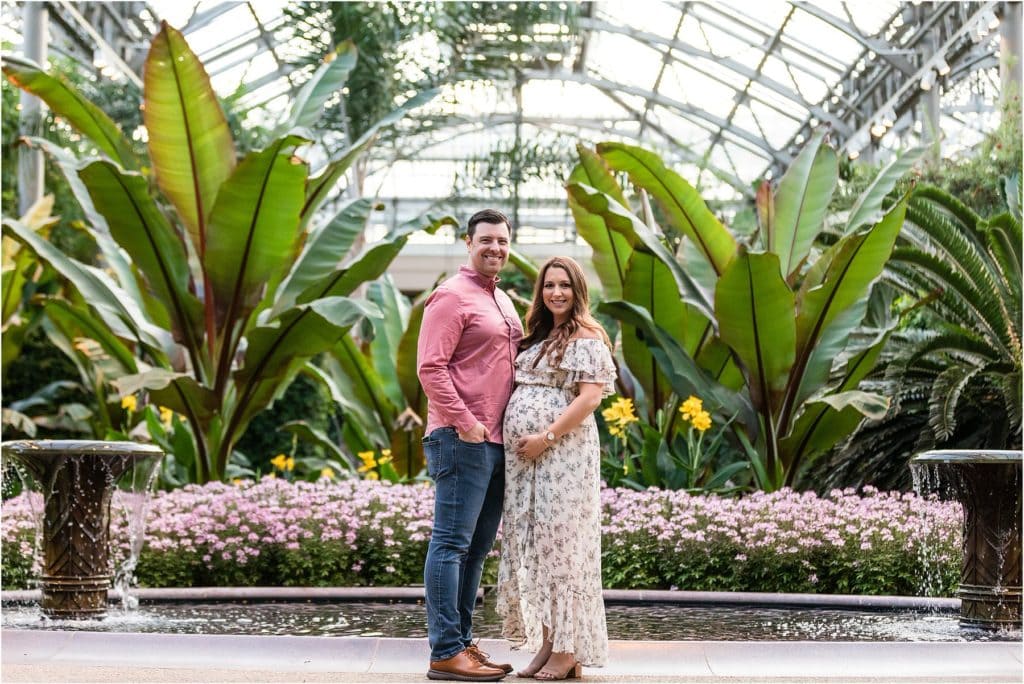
726, 92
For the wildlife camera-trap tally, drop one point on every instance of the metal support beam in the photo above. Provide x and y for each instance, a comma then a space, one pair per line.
1010, 52
908, 91
652, 39
880, 48
710, 122
30, 160
109, 53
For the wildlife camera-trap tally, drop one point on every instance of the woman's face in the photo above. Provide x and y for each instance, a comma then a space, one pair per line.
558, 295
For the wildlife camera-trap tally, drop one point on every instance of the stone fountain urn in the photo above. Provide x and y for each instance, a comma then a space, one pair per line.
77, 480
988, 486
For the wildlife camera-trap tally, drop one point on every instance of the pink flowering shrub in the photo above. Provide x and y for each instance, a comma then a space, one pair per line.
360, 532
874, 543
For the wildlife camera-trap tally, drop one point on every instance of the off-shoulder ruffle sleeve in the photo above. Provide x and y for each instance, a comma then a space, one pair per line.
588, 360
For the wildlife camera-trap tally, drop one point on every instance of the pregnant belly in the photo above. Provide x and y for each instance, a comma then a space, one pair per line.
531, 409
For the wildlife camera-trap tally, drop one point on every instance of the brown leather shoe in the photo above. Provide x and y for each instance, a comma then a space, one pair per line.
484, 659
463, 667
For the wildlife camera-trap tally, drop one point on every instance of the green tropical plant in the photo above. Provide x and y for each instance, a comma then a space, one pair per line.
956, 376
372, 374
760, 328
217, 291
639, 457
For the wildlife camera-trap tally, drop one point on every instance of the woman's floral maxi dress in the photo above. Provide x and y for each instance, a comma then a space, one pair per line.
550, 569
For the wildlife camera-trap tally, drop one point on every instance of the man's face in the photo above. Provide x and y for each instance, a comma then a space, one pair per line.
488, 248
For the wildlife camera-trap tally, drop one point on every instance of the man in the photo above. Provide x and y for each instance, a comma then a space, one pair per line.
467, 345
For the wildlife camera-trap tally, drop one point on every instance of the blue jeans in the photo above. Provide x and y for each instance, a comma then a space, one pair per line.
469, 491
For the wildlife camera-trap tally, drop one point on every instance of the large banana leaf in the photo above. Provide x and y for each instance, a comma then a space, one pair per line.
360, 384
156, 379
827, 420
113, 305
320, 186
843, 274
611, 250
685, 376
65, 101
181, 393
388, 334
406, 437
372, 261
96, 224
824, 423
277, 352
764, 203
325, 249
352, 435
800, 203
524, 265
756, 318
619, 219
253, 230
649, 284
71, 318
830, 346
308, 105
138, 226
683, 205
14, 279
190, 143
868, 207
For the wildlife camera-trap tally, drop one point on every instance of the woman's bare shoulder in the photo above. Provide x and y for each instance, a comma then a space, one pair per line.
586, 334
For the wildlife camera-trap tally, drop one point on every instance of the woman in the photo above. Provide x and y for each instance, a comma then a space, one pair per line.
549, 578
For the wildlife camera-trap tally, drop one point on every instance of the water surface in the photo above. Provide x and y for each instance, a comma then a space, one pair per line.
664, 622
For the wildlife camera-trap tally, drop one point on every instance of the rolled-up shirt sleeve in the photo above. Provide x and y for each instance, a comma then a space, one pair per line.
440, 332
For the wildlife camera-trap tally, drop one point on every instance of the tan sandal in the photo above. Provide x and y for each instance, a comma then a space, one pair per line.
575, 671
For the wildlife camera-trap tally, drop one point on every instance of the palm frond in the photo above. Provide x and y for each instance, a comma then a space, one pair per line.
959, 293
1010, 390
945, 397
954, 206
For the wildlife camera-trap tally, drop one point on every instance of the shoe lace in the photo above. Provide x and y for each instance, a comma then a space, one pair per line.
478, 655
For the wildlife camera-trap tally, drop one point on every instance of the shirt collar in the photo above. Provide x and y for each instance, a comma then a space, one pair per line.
478, 278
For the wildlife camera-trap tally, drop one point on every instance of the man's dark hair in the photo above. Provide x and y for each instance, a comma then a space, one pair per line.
486, 216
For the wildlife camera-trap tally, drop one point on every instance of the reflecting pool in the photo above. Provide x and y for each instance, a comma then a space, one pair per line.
665, 622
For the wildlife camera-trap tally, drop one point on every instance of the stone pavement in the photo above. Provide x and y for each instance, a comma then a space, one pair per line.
41, 656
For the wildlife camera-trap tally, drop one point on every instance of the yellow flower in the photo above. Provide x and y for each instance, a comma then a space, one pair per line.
237, 482
702, 421
327, 473
626, 415
129, 402
385, 457
372, 475
691, 407
289, 463
280, 462
166, 415
369, 462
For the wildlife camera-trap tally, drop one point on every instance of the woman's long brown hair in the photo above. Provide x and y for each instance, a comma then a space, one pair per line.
540, 322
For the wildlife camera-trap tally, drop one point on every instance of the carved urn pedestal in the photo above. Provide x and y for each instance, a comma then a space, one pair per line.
988, 486
77, 480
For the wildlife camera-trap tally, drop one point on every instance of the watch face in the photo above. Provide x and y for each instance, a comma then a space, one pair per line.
550, 436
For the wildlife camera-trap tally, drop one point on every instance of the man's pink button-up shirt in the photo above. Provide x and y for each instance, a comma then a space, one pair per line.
465, 353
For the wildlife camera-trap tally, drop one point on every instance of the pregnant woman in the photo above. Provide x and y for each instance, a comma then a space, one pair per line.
549, 577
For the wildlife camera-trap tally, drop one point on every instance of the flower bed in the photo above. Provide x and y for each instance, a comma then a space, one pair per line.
357, 532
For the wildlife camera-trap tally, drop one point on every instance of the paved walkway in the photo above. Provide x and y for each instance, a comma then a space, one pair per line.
40, 656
